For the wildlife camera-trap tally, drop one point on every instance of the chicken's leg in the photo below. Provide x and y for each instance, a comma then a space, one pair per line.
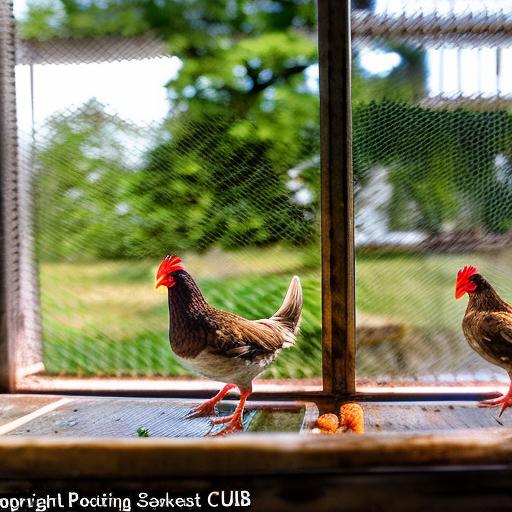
504, 400
235, 421
208, 408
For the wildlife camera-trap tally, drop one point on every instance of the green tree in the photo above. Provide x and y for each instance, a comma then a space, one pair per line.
81, 185
244, 79
215, 184
245, 87
441, 163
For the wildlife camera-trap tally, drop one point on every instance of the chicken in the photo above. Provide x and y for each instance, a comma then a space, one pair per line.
487, 326
222, 346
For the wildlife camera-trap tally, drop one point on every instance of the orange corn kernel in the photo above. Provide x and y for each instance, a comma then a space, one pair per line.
352, 418
328, 422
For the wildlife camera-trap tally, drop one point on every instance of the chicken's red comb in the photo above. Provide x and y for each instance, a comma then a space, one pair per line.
168, 265
465, 273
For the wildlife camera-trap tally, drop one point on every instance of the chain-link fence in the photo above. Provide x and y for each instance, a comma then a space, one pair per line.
122, 173
213, 153
432, 160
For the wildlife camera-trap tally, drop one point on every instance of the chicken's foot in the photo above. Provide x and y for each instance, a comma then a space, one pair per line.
235, 421
504, 400
208, 408
222, 420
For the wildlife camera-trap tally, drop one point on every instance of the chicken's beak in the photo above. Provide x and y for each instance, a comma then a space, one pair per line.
161, 274
460, 290
167, 267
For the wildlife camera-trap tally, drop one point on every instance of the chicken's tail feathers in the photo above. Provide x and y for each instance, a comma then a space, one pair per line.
290, 312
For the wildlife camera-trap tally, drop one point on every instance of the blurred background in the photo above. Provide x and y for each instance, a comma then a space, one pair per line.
156, 126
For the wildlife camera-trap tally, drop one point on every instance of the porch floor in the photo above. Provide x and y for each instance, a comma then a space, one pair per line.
114, 417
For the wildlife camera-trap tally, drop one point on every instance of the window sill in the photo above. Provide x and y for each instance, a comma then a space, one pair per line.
263, 389
154, 386
420, 434
250, 454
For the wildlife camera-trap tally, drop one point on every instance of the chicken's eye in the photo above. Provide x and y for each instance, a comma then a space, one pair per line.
471, 286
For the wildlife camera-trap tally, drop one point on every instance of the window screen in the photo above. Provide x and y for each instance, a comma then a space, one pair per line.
432, 148
153, 128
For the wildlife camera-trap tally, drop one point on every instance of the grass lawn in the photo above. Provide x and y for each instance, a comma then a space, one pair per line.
106, 318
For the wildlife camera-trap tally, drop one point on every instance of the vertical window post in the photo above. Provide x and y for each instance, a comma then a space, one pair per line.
338, 269
9, 238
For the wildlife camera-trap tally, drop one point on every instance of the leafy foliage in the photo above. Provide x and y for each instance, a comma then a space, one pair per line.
442, 164
232, 50
242, 111
243, 114
142, 432
81, 186
214, 183
218, 183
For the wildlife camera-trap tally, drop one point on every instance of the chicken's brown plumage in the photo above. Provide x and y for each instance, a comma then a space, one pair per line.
220, 345
487, 326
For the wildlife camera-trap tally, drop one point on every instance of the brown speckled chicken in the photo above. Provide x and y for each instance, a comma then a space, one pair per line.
223, 346
487, 326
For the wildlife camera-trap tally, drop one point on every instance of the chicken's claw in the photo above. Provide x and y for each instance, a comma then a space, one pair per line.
222, 420
234, 425
208, 407
201, 411
234, 421
504, 406
504, 400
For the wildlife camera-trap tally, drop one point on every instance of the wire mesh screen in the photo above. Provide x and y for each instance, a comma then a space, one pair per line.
432, 161
136, 147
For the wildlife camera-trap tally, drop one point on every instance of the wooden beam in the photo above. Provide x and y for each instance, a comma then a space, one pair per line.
257, 454
477, 103
338, 289
61, 50
9, 245
468, 30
